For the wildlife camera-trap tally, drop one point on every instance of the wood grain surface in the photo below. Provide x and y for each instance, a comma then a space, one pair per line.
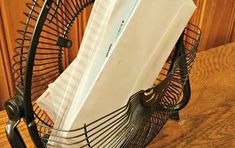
209, 119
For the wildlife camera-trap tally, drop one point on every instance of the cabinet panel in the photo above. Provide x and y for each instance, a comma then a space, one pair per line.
216, 19
233, 35
6, 81
12, 14
4, 90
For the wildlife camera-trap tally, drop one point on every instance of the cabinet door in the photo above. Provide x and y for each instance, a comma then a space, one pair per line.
10, 16
216, 18
6, 82
5, 90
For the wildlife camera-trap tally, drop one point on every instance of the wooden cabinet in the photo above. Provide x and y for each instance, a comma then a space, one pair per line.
215, 18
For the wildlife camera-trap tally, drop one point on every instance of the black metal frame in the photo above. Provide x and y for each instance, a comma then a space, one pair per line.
187, 88
21, 106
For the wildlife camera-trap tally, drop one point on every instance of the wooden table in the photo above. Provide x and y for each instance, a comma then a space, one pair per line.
208, 120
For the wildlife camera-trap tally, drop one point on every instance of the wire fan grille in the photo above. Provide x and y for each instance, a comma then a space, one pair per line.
133, 125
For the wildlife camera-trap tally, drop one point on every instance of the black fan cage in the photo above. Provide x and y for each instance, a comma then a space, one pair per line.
38, 61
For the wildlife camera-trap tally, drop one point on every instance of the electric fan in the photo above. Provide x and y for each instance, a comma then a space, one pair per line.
38, 61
